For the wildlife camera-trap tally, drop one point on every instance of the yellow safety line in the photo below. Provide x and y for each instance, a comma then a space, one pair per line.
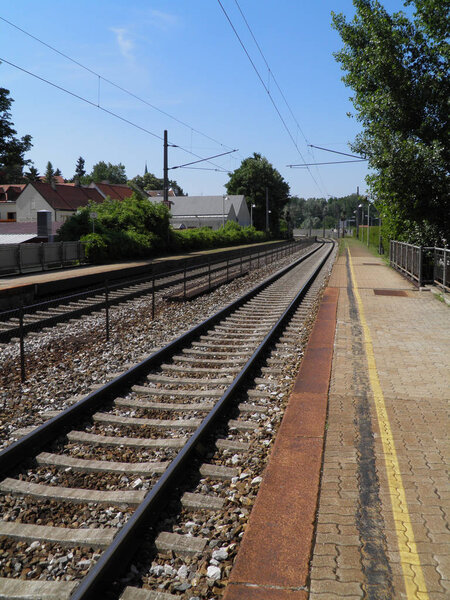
409, 557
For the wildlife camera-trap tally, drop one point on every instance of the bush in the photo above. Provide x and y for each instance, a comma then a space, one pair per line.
203, 237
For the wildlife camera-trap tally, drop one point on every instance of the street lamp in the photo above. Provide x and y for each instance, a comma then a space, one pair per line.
362, 219
252, 206
223, 209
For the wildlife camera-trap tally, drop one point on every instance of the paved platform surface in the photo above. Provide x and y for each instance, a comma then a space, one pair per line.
381, 521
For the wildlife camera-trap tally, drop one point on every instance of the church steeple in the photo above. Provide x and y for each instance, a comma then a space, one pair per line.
145, 170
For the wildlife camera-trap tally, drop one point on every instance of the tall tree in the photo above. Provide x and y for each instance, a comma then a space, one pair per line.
49, 176
103, 171
80, 170
12, 148
32, 175
398, 70
252, 178
149, 182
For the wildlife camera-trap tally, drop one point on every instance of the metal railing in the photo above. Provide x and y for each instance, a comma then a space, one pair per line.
24, 258
407, 259
421, 264
32, 318
441, 268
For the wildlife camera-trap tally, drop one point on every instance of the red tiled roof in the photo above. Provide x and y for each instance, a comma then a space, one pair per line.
114, 190
67, 197
10, 191
59, 179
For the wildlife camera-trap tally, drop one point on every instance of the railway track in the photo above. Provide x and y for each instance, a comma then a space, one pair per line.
83, 487
35, 317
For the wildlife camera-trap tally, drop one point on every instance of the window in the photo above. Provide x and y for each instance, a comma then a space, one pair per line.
11, 216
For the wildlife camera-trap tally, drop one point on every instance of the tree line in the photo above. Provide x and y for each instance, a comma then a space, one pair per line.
398, 69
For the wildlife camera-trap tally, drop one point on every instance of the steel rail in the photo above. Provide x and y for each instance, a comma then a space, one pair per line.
7, 334
117, 555
21, 449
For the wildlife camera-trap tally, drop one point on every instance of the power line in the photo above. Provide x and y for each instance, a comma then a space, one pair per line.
202, 160
336, 152
122, 89
267, 89
335, 162
109, 112
270, 70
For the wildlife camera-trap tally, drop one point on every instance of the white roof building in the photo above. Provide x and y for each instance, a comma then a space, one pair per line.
208, 211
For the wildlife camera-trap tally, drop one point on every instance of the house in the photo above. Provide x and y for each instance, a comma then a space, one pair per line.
114, 190
8, 198
208, 211
61, 200
158, 193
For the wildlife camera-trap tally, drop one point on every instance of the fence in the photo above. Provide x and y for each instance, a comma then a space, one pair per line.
108, 294
25, 258
421, 264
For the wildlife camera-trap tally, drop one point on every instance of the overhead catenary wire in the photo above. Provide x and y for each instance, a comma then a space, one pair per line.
267, 90
105, 110
334, 162
271, 73
112, 83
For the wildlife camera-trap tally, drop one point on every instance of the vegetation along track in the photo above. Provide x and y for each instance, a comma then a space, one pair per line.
121, 468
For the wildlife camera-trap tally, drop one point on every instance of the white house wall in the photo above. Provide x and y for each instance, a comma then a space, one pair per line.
28, 203
7, 207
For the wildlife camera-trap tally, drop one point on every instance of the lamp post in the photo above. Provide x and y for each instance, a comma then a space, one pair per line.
252, 206
223, 209
362, 220
368, 222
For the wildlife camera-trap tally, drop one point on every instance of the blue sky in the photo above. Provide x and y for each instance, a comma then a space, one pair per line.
183, 58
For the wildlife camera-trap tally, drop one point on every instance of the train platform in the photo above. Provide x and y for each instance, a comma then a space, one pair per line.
30, 286
355, 500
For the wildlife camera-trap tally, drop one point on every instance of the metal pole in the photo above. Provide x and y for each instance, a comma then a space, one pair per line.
420, 266
209, 273
368, 224
22, 345
166, 170
153, 298
267, 209
107, 309
444, 274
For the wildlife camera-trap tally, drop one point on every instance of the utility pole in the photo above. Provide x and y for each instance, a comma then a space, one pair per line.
357, 212
166, 170
267, 209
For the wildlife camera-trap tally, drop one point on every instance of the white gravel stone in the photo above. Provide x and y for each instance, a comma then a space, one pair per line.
213, 572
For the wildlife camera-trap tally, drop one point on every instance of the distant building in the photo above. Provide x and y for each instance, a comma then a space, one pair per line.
61, 200
208, 211
114, 190
8, 200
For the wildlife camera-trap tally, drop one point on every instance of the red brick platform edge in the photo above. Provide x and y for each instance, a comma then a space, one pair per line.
273, 560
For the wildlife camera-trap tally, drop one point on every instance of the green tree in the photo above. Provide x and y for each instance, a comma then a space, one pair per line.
149, 182
49, 173
80, 170
398, 70
12, 148
123, 228
103, 171
32, 175
251, 179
